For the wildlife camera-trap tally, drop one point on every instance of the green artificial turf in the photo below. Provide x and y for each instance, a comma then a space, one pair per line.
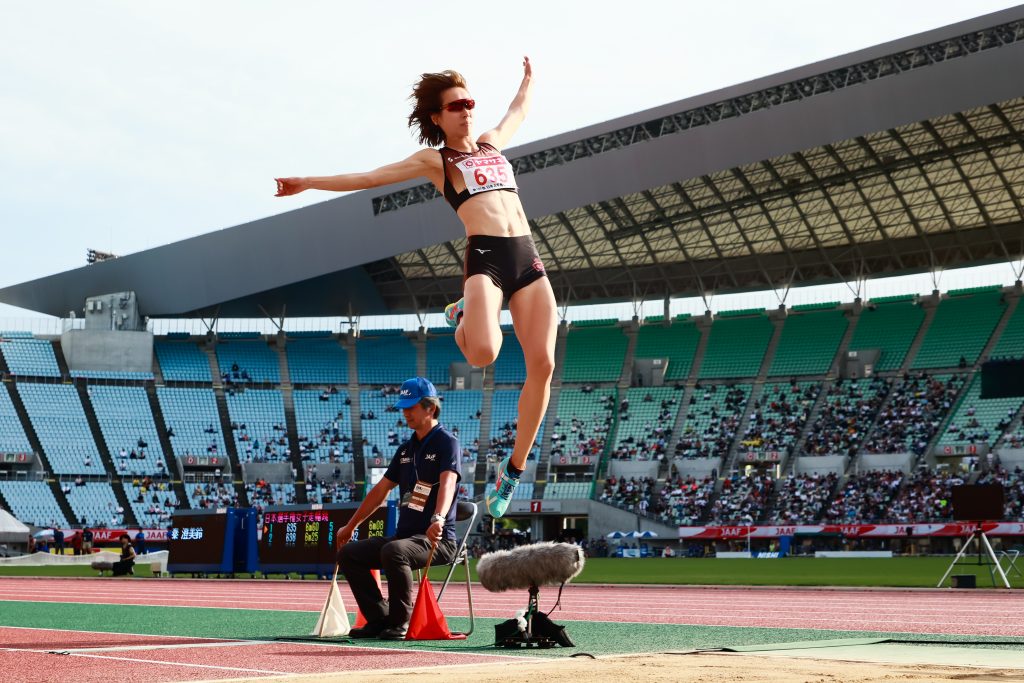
592, 637
916, 572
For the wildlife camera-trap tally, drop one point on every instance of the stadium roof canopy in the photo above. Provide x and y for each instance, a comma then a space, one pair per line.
900, 158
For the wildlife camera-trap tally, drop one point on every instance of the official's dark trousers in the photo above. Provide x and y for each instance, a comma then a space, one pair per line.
397, 558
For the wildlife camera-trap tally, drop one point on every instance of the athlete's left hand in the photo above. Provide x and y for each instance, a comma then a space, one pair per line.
527, 69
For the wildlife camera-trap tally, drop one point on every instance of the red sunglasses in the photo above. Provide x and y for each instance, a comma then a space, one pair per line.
458, 105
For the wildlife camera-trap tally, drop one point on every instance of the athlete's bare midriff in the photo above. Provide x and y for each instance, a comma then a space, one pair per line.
498, 214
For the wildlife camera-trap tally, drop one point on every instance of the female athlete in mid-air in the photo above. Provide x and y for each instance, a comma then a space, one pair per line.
501, 260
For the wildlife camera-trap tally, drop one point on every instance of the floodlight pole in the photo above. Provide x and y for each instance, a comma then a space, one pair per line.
978, 536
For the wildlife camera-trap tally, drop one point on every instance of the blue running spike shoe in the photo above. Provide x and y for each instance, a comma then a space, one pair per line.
452, 313
497, 500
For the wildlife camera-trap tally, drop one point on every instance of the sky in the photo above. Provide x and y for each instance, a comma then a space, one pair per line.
129, 125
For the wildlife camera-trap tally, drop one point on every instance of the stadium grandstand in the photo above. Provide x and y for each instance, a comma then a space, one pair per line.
903, 158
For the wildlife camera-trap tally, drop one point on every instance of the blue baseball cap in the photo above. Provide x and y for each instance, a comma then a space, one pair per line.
415, 390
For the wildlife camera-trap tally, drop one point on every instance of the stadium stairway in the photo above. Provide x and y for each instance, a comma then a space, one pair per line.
225, 429
94, 428
62, 364
930, 304
819, 403
26, 423
210, 349
105, 456
158, 373
756, 393
704, 325
853, 318
358, 457
288, 398
1012, 301
419, 342
677, 426
544, 458
65, 506
486, 407
5, 369
282, 361
778, 322
626, 376
161, 432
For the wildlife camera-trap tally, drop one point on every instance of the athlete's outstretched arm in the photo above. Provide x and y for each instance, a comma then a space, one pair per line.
421, 164
503, 132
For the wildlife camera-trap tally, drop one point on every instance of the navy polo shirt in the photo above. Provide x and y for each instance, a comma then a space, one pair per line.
425, 461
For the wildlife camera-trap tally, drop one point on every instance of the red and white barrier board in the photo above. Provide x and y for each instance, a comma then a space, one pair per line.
726, 533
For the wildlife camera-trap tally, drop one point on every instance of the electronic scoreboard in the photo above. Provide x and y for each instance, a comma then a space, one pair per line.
300, 538
212, 541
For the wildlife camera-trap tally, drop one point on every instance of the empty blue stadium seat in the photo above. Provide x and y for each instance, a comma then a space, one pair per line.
125, 418
30, 357
32, 502
59, 421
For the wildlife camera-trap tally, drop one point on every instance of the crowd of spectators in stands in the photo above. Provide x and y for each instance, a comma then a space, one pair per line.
262, 495
328, 490
273, 448
801, 498
969, 430
718, 435
914, 413
214, 495
631, 494
584, 436
778, 417
683, 502
502, 444
1013, 489
743, 499
653, 443
864, 498
331, 435
924, 497
162, 501
846, 416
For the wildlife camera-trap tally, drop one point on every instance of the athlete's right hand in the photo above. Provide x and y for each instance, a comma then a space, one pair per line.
287, 186
344, 535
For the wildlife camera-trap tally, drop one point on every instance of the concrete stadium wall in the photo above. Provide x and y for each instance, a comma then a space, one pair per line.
822, 464
628, 469
604, 519
697, 467
889, 461
107, 350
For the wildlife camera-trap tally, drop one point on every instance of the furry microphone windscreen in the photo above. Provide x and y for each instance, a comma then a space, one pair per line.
539, 564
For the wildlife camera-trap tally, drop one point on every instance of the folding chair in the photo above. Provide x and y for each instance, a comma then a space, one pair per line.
464, 510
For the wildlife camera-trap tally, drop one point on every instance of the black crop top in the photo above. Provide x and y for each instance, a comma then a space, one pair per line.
485, 170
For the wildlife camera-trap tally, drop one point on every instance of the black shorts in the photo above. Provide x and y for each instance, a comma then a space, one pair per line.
510, 262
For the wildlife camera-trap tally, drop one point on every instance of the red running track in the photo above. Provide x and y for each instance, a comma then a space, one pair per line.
28, 654
978, 612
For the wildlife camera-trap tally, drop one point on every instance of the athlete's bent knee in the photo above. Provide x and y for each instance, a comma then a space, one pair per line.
482, 356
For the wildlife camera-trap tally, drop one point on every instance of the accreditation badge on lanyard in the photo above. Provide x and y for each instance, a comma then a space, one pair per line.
417, 498
487, 173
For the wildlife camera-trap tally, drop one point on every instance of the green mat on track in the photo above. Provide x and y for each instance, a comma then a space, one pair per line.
598, 638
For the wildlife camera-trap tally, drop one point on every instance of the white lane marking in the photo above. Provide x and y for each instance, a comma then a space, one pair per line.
185, 664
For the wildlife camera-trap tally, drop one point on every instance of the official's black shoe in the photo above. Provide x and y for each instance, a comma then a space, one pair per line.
393, 633
370, 630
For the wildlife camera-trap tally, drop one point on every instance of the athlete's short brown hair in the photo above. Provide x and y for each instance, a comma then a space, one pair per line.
426, 93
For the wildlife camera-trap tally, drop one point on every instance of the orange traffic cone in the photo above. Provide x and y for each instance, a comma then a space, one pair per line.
428, 622
360, 619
